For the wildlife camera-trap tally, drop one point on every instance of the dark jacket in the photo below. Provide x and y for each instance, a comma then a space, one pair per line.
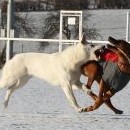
113, 77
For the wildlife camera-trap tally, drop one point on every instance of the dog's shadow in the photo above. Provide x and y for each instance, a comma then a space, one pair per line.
108, 116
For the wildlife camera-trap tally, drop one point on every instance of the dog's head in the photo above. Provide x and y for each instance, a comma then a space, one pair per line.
92, 49
96, 52
120, 44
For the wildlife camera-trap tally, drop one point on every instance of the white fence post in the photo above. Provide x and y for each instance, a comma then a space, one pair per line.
0, 18
127, 26
2, 32
61, 26
80, 26
8, 29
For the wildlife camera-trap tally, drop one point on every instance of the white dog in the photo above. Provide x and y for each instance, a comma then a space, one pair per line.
60, 69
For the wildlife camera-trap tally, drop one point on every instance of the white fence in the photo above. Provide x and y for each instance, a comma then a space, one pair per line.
127, 26
60, 40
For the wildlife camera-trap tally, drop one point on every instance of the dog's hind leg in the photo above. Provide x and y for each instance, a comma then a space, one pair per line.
9, 92
7, 97
21, 82
110, 105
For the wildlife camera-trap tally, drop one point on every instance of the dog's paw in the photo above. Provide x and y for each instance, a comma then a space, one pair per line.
118, 112
88, 109
80, 109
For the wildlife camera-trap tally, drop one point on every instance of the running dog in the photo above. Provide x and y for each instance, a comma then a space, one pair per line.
59, 69
112, 77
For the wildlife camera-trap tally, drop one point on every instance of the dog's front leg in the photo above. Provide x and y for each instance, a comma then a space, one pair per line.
107, 100
87, 88
99, 99
71, 98
102, 99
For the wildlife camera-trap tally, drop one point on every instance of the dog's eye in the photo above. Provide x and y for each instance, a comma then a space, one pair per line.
97, 52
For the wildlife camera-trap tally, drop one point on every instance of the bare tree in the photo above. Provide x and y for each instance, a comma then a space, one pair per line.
52, 23
112, 4
20, 24
70, 4
25, 24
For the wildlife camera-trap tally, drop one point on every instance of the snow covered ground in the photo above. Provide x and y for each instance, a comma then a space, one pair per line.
109, 23
40, 106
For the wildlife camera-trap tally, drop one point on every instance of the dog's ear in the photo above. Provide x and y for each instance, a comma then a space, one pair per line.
112, 40
110, 46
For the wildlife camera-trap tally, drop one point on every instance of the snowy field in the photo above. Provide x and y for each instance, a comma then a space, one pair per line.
109, 23
40, 106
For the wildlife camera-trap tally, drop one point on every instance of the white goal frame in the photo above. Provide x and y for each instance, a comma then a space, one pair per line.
64, 13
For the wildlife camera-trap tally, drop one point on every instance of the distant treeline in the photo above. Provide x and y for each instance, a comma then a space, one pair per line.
40, 5
112, 4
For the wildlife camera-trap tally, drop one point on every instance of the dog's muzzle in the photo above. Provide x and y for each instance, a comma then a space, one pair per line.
99, 51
